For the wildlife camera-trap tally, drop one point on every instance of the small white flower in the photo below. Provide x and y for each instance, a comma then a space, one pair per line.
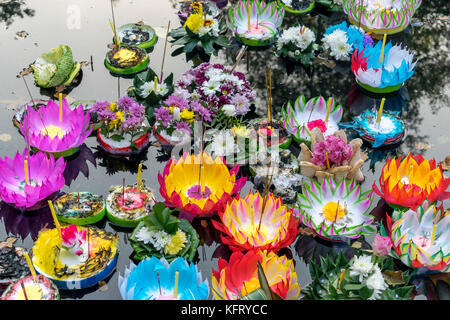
149, 87
223, 144
229, 110
361, 267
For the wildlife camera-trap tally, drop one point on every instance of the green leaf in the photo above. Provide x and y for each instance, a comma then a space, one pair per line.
353, 286
190, 46
116, 137
177, 52
222, 41
365, 293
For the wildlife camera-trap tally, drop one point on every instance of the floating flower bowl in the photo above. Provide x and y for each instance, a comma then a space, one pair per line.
123, 148
126, 207
68, 270
139, 35
127, 60
272, 133
299, 119
80, 208
265, 19
312, 4
29, 288
380, 17
170, 140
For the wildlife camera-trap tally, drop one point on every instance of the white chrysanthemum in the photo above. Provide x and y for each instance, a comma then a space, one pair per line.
361, 267
149, 87
158, 239
182, 93
376, 283
300, 36
229, 110
223, 145
337, 43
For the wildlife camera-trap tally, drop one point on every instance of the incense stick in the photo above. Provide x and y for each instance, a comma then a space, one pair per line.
164, 54
239, 57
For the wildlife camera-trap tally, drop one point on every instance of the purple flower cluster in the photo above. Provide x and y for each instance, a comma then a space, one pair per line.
163, 115
102, 109
338, 151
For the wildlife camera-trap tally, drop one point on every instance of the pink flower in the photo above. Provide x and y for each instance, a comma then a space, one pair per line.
338, 151
319, 123
381, 246
72, 239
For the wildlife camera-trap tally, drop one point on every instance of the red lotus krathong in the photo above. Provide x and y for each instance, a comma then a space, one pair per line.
409, 182
56, 129
25, 184
239, 277
199, 185
249, 223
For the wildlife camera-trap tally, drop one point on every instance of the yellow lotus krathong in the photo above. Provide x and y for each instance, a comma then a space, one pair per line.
199, 185
409, 182
252, 223
239, 277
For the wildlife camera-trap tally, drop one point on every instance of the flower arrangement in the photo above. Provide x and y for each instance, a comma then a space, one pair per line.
332, 157
420, 238
199, 184
239, 276
201, 33
56, 129
386, 76
341, 40
336, 211
26, 181
156, 279
74, 240
162, 235
255, 22
299, 119
31, 288
408, 182
297, 43
381, 16
364, 277
121, 126
189, 7
297, 6
255, 222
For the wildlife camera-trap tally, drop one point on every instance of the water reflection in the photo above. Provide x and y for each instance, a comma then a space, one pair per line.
10, 10
115, 164
79, 164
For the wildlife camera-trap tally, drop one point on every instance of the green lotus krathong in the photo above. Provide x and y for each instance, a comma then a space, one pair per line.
381, 16
336, 211
262, 26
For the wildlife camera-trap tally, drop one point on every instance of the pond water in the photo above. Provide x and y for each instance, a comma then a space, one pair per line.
84, 26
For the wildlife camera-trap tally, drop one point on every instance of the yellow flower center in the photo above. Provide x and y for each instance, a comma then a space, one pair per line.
124, 55
333, 211
52, 131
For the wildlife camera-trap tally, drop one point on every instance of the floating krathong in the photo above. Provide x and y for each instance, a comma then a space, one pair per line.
255, 222
332, 157
29, 288
297, 6
408, 182
390, 129
336, 211
299, 119
381, 71
189, 7
80, 208
239, 276
272, 133
20, 111
128, 205
421, 238
156, 279
198, 184
56, 129
162, 235
381, 16
255, 22
139, 35
126, 60
76, 258
26, 181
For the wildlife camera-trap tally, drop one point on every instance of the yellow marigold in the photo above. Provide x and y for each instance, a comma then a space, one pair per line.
194, 22
186, 114
117, 121
176, 243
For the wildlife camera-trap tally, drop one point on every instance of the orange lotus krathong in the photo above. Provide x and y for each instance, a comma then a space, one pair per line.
199, 185
407, 183
250, 223
239, 277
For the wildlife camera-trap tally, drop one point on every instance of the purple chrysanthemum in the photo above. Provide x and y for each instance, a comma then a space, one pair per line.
176, 101
102, 109
163, 114
241, 103
204, 113
183, 126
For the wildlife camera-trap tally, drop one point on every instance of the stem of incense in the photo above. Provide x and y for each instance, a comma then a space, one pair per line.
159, 283
201, 161
25, 168
328, 160
381, 60
433, 235
337, 210
164, 54
24, 291
380, 111
113, 27
87, 240
139, 177
35, 108
239, 57
248, 16
175, 290
30, 265
266, 190
92, 65
60, 107
328, 109
340, 278
55, 219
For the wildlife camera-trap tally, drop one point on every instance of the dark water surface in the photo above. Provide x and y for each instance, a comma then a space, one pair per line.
425, 99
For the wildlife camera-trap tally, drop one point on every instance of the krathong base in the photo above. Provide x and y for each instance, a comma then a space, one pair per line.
378, 31
80, 208
139, 35
127, 67
141, 143
294, 11
389, 89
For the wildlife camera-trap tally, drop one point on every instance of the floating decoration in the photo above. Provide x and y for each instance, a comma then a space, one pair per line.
239, 276
80, 208
126, 60
55, 68
378, 128
336, 211
136, 34
199, 184
299, 119
27, 181
210, 8
128, 205
297, 6
162, 235
18, 116
332, 157
421, 238
257, 222
75, 257
298, 44
408, 182
381, 17
364, 277
272, 133
156, 279
56, 129
255, 22
382, 68
14, 265
31, 288
123, 129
